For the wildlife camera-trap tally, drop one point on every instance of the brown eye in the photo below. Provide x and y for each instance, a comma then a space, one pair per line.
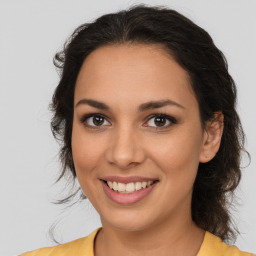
161, 121
98, 120
94, 120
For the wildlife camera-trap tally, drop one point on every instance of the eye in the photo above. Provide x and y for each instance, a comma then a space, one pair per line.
161, 121
94, 120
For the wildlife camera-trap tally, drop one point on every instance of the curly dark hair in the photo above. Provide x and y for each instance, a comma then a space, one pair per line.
194, 50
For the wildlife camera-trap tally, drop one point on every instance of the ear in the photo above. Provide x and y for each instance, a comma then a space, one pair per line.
212, 137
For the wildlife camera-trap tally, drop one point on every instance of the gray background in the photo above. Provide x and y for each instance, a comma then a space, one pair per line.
30, 33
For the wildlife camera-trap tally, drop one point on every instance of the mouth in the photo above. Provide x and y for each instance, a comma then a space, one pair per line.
130, 187
128, 190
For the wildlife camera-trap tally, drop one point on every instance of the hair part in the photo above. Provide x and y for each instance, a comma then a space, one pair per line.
215, 90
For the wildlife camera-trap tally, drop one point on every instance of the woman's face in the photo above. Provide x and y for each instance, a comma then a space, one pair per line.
136, 120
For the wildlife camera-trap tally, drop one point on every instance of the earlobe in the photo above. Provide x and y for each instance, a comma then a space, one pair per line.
212, 137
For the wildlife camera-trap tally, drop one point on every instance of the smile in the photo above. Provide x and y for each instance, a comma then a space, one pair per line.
127, 190
129, 187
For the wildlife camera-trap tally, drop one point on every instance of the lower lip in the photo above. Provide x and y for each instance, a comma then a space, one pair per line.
127, 198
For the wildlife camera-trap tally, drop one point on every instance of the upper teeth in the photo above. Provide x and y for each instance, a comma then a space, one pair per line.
129, 187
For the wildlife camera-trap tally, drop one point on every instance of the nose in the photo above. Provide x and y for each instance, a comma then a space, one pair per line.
125, 150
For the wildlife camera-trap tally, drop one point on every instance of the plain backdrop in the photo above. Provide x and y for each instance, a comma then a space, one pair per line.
31, 31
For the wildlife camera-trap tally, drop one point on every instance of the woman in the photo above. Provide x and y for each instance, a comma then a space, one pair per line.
146, 111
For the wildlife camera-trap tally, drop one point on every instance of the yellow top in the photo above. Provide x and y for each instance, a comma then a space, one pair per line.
211, 246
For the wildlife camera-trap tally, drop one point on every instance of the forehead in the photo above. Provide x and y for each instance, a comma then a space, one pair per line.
132, 73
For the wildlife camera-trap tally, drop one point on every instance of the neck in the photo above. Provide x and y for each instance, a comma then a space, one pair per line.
180, 237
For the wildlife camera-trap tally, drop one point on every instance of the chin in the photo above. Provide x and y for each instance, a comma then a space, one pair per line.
129, 227
126, 220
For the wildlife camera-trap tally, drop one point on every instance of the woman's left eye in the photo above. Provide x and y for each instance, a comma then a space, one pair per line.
161, 121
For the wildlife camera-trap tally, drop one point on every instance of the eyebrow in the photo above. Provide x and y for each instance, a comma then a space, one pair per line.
143, 107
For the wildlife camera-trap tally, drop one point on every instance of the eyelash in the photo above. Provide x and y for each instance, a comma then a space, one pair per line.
171, 119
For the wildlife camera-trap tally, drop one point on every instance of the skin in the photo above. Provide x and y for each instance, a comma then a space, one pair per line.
128, 144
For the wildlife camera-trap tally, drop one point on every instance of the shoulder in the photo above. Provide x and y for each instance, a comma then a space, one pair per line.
213, 245
81, 246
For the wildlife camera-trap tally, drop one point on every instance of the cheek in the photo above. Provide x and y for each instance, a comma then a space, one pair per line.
86, 156
178, 162
86, 151
178, 155
83, 155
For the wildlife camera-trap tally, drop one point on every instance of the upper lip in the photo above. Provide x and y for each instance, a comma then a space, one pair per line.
126, 180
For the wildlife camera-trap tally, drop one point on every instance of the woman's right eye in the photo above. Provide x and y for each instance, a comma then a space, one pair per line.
94, 120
